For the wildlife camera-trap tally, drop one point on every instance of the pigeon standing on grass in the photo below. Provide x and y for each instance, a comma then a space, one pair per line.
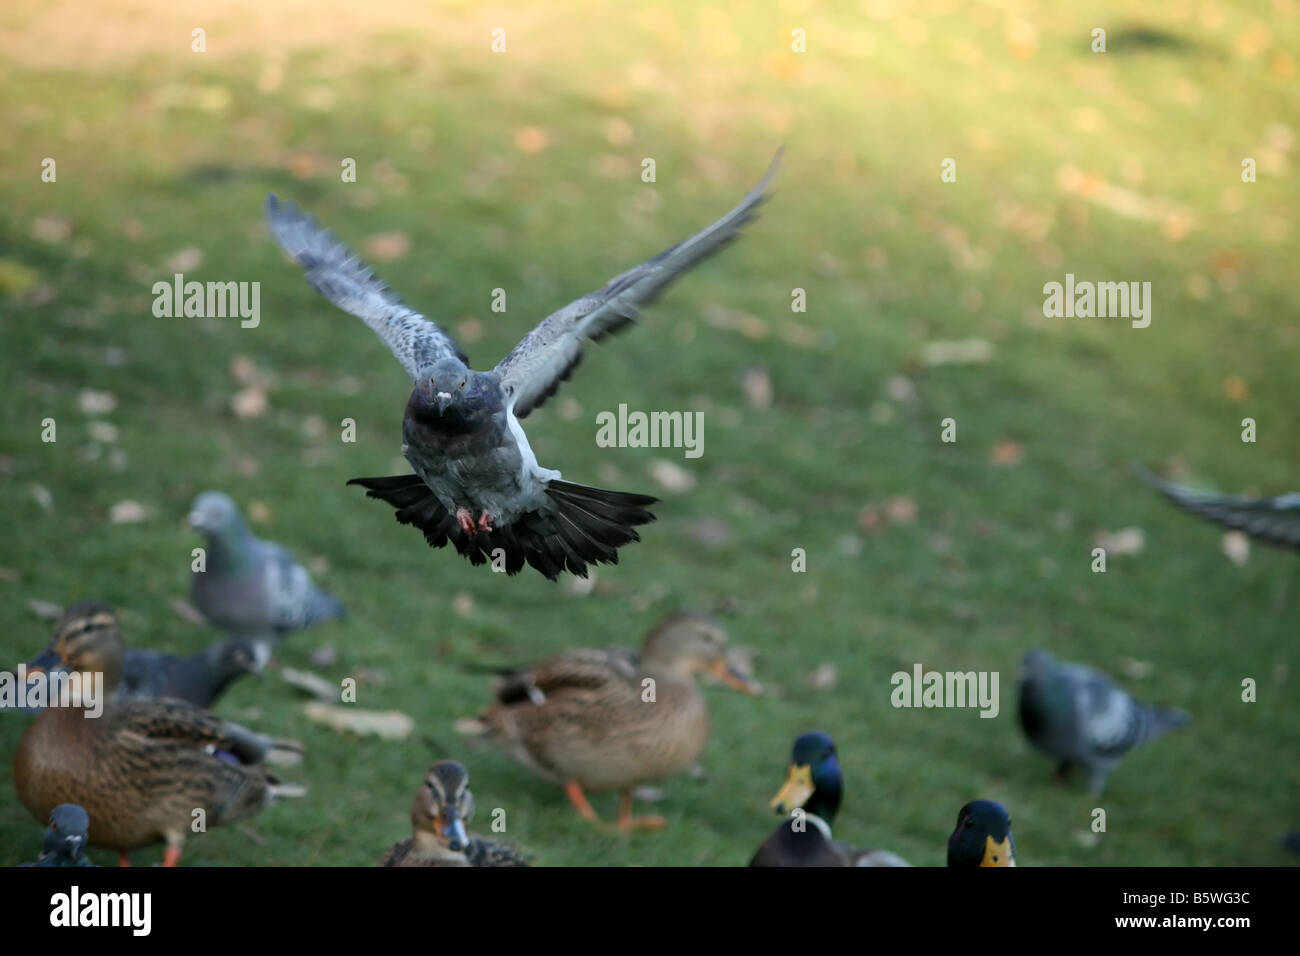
1079, 716
65, 838
1275, 521
477, 484
249, 587
199, 678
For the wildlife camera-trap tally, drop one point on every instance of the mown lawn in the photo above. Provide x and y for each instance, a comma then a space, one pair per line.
522, 171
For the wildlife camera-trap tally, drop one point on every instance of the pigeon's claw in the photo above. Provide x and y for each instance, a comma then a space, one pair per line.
485, 522
466, 522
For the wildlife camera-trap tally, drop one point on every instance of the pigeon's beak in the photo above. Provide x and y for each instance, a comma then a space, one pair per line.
194, 520
441, 401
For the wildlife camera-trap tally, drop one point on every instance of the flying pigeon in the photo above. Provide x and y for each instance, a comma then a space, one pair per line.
1275, 521
1079, 716
477, 484
249, 587
65, 838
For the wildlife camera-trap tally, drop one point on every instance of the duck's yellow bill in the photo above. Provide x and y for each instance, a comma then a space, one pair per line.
998, 854
796, 791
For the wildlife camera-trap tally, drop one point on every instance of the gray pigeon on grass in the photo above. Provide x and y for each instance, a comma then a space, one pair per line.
1275, 521
1078, 715
477, 484
249, 587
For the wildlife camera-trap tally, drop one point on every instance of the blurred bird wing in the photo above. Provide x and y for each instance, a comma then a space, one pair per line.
532, 372
341, 276
1107, 711
1275, 520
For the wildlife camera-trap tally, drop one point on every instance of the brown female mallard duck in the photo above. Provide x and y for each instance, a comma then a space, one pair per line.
612, 719
440, 812
141, 767
811, 798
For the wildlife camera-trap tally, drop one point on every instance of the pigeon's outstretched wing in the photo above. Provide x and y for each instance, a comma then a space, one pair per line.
339, 274
532, 372
1274, 520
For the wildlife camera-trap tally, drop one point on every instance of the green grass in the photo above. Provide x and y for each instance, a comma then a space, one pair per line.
159, 149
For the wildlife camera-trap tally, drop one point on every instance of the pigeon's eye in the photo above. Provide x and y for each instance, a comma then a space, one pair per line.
462, 383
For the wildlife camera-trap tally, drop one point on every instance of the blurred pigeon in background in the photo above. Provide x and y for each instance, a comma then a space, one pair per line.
1275, 521
199, 678
477, 483
65, 838
1079, 716
250, 587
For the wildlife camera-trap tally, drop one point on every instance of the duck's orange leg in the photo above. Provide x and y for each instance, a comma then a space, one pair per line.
573, 790
172, 856
628, 822
123, 859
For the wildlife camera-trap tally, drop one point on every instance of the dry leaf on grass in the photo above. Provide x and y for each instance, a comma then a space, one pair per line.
825, 677
1235, 547
1006, 452
386, 246
188, 612
312, 684
671, 477
388, 724
127, 512
92, 402
46, 610
958, 352
1122, 542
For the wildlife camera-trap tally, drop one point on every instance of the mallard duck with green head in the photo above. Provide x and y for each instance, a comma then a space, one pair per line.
982, 836
810, 798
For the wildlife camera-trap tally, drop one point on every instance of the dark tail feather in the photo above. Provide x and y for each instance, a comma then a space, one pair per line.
1274, 521
584, 526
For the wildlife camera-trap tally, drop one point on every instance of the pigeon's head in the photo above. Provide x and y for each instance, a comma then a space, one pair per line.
87, 640
213, 512
67, 831
983, 836
813, 781
688, 643
1035, 664
450, 394
235, 657
444, 806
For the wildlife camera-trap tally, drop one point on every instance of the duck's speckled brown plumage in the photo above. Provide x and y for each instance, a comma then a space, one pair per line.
584, 717
142, 767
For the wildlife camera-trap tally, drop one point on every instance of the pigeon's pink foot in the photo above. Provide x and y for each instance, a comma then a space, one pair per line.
485, 522
466, 521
